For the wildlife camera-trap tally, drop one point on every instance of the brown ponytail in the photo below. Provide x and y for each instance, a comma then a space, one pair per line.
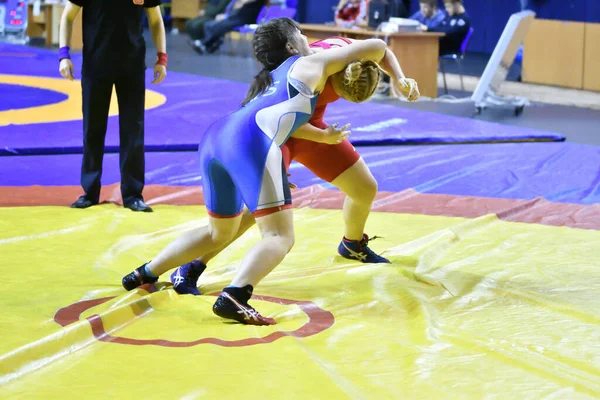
259, 85
270, 49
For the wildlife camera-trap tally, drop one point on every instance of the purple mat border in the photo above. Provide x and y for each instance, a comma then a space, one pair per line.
373, 124
559, 172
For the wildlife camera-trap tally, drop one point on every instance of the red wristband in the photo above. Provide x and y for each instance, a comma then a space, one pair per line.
162, 59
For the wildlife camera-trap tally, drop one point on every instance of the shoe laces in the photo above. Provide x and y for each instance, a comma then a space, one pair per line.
244, 308
250, 313
365, 248
192, 275
366, 242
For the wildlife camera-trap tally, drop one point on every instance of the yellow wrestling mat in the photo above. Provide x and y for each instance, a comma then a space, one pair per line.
469, 309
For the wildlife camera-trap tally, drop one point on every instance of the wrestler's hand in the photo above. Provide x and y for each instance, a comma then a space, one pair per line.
336, 135
290, 184
66, 69
409, 88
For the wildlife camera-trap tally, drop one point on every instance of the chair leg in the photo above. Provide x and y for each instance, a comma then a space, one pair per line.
248, 44
242, 43
228, 45
235, 43
232, 47
462, 83
444, 75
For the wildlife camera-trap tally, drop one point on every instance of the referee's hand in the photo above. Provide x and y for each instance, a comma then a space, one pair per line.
66, 69
160, 71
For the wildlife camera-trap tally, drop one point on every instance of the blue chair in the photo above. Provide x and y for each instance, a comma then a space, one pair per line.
266, 14
458, 58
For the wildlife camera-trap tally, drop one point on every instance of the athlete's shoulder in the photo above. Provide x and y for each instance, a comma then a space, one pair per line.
280, 73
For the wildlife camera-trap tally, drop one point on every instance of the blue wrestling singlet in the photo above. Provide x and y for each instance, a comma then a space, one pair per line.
240, 156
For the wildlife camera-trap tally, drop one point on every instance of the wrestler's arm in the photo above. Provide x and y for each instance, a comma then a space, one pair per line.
389, 63
330, 135
310, 132
314, 70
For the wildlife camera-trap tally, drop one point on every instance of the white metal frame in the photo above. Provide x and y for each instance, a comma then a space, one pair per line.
502, 58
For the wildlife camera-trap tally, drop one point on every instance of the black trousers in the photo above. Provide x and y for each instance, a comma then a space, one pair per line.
97, 91
216, 30
195, 27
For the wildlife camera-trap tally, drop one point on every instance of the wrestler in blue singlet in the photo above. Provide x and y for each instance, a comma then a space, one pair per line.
240, 156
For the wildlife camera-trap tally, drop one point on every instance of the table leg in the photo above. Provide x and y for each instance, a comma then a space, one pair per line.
418, 57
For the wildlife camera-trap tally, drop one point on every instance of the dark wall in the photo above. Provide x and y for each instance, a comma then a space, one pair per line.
489, 17
316, 11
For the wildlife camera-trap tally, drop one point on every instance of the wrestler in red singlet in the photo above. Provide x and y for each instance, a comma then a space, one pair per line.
326, 161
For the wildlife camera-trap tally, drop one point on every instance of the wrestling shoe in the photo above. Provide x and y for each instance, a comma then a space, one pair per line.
358, 250
185, 278
230, 307
137, 278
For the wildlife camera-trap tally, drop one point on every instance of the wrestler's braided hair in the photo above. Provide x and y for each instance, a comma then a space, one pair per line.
361, 79
270, 49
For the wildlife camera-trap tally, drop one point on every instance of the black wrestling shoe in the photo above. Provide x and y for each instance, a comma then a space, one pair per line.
358, 250
230, 307
185, 278
137, 278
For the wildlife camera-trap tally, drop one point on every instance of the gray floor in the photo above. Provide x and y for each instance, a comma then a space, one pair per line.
579, 125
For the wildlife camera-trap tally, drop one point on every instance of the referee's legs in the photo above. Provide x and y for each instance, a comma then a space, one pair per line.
131, 92
96, 95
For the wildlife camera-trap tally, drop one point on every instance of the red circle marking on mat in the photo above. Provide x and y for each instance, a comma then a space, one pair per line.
318, 321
